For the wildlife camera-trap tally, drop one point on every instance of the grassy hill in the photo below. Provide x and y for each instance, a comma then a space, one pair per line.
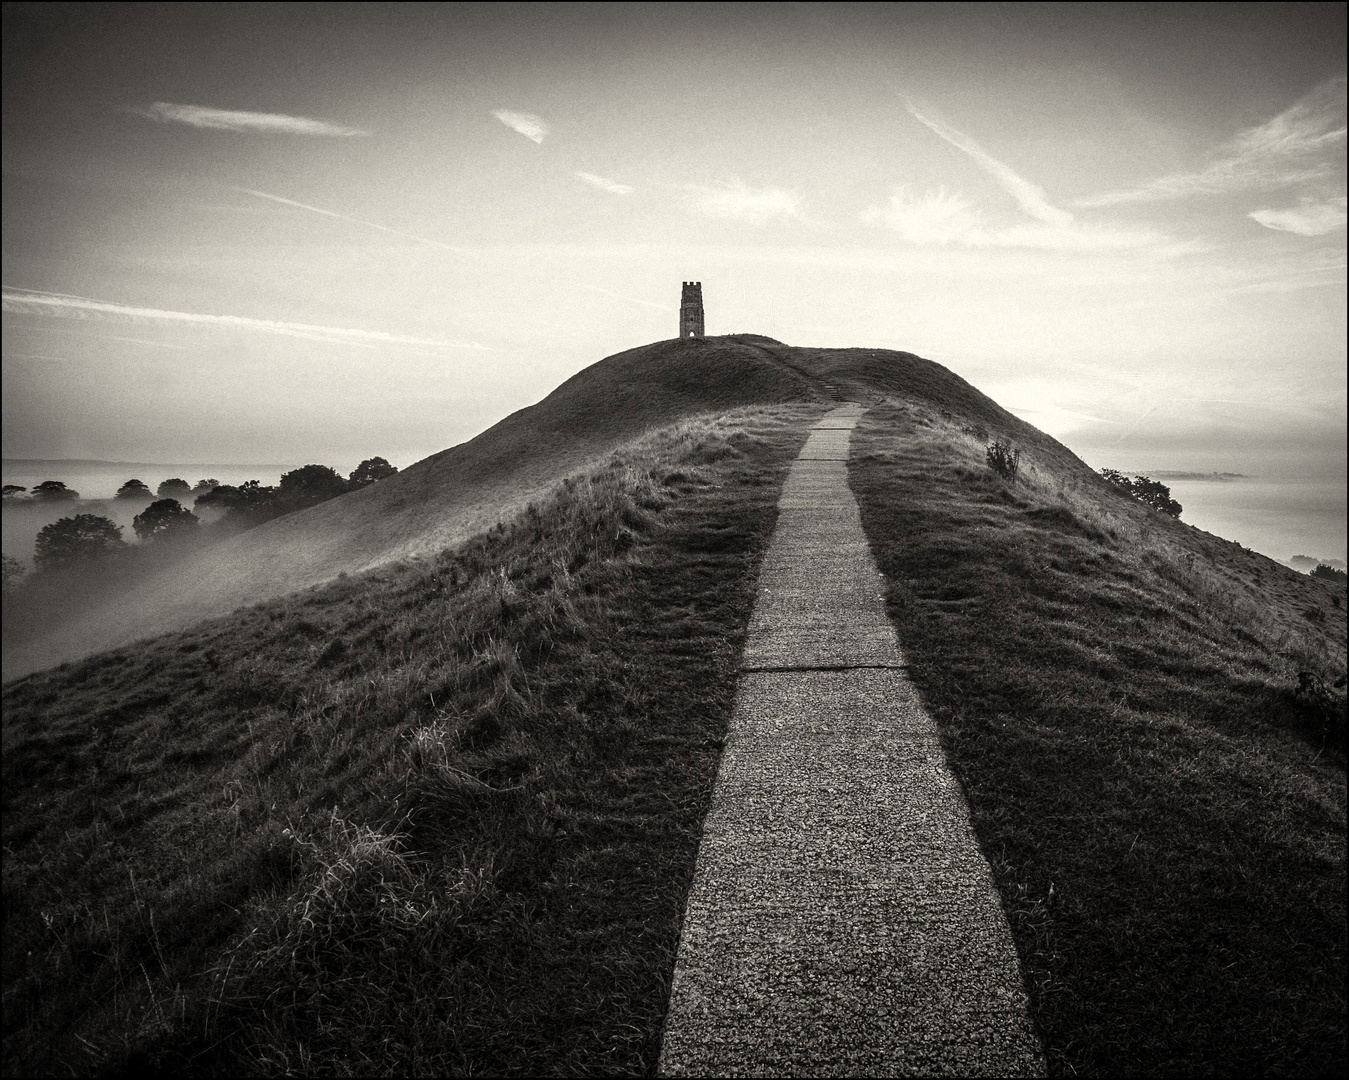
439, 810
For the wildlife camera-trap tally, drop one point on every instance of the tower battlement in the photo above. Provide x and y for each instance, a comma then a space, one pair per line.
691, 310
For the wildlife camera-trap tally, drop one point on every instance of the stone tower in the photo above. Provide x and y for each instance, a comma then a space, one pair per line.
691, 310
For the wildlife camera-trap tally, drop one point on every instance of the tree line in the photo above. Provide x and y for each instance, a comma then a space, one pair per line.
84, 537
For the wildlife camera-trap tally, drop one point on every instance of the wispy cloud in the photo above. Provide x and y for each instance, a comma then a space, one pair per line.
199, 116
944, 219
63, 305
1309, 218
1304, 143
354, 220
1031, 197
737, 201
530, 126
628, 299
604, 184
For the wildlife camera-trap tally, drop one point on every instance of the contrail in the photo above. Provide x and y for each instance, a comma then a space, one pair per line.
34, 302
356, 221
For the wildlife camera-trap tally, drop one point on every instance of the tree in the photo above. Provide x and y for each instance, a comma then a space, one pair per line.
370, 470
1151, 492
12, 492
163, 519
311, 484
1156, 495
173, 489
203, 486
1328, 573
12, 573
76, 539
134, 489
54, 491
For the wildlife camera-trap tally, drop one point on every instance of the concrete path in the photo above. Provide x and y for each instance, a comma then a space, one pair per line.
842, 920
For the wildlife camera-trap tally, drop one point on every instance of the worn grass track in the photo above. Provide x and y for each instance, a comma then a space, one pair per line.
440, 818
1118, 695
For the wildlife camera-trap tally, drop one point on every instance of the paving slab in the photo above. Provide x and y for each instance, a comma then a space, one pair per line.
842, 919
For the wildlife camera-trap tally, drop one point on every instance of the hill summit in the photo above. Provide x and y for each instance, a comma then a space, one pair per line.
446, 498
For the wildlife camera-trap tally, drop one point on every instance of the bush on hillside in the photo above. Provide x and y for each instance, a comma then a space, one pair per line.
134, 489
1003, 459
310, 485
1151, 492
370, 470
76, 539
164, 518
1330, 574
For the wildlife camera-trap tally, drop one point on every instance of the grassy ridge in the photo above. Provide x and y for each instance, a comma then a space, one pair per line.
440, 818
1118, 694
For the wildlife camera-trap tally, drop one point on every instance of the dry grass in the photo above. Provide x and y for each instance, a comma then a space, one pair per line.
1118, 693
438, 818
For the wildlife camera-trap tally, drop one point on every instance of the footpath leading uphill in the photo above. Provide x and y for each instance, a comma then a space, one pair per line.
842, 920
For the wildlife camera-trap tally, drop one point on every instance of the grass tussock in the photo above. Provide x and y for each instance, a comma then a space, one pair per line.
436, 818
1146, 724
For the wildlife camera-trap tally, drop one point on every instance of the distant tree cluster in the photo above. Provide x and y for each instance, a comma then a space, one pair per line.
86, 537
1329, 573
1146, 490
252, 503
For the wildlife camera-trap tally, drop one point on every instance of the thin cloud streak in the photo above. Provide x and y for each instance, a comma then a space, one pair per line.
113, 337
200, 116
64, 305
1031, 197
530, 126
605, 184
945, 219
628, 299
1303, 144
355, 221
737, 201
1310, 218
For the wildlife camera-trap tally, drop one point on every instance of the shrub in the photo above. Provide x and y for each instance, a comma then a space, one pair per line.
75, 539
1150, 492
370, 470
311, 484
1004, 459
1330, 574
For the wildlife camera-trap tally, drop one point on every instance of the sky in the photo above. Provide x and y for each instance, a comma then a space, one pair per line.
322, 232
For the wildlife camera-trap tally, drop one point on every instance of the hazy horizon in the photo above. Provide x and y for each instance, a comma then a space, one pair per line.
323, 233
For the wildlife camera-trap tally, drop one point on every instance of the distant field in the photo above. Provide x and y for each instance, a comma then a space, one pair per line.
1119, 695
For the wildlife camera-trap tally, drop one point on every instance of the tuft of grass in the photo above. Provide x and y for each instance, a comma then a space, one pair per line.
1143, 721
439, 817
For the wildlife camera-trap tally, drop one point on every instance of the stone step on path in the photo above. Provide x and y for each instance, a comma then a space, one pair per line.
842, 920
